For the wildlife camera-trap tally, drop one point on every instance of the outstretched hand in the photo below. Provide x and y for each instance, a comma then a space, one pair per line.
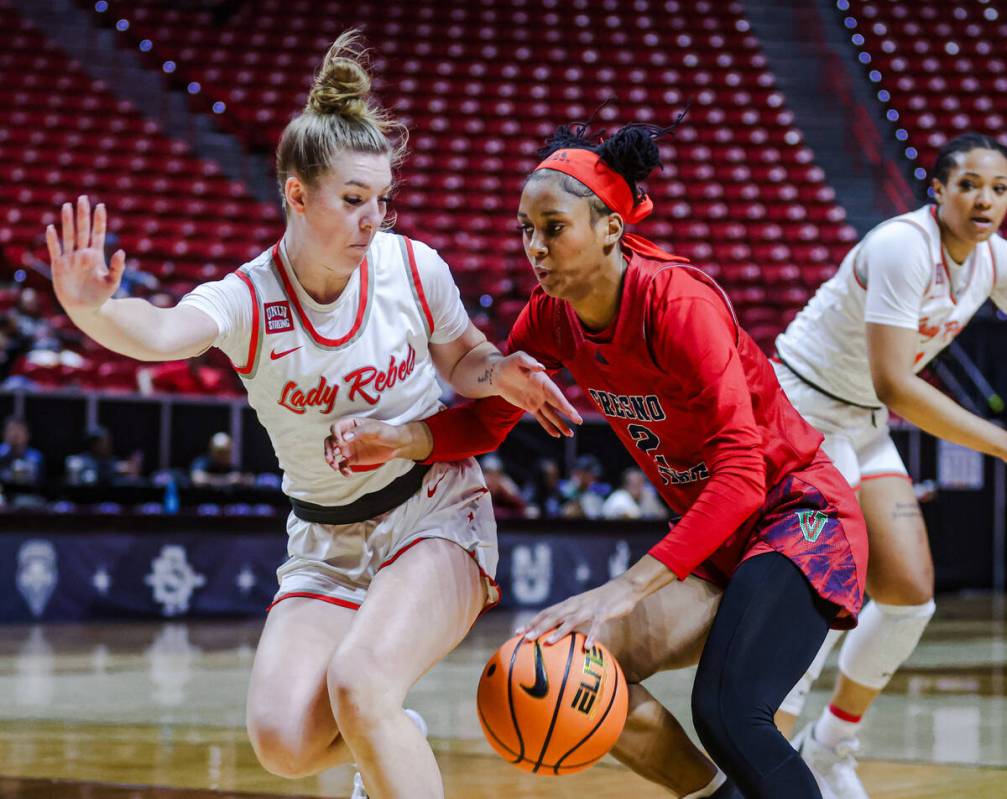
80, 277
522, 381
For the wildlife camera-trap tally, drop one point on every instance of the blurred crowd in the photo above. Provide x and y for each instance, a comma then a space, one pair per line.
41, 348
27, 481
580, 495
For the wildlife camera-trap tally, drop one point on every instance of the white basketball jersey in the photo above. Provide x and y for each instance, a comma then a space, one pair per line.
899, 275
305, 365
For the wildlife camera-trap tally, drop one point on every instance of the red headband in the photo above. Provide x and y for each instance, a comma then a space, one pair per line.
611, 187
613, 190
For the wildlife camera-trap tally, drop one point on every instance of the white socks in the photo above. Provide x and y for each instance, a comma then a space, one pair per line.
830, 729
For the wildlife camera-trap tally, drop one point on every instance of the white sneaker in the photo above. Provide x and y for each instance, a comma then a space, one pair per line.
358, 781
358, 787
417, 719
834, 768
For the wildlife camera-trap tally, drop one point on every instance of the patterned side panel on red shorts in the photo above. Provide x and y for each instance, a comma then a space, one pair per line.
801, 523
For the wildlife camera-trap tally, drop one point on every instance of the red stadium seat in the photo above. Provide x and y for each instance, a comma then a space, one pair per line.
482, 85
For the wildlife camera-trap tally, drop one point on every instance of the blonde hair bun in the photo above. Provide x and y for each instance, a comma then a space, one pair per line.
342, 85
341, 115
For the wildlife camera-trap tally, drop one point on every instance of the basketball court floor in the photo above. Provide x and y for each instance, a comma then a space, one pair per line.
155, 711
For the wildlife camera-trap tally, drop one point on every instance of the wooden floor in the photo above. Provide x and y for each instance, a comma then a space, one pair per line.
145, 711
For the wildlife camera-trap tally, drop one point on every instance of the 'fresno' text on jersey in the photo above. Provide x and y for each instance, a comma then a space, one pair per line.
645, 407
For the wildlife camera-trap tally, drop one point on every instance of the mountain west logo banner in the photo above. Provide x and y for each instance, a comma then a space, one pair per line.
812, 524
173, 580
37, 573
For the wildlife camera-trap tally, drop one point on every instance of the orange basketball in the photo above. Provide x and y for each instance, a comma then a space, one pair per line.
552, 709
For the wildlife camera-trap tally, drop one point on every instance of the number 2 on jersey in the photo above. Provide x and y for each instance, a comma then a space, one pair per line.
647, 441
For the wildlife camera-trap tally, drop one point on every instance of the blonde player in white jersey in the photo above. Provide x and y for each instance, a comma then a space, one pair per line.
900, 296
387, 568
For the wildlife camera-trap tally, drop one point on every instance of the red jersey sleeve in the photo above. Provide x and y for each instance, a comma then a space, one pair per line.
694, 339
481, 425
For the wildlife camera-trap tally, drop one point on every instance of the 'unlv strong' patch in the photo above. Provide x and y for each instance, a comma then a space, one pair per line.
278, 317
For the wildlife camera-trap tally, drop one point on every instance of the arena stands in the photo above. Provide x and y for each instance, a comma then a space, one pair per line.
482, 84
937, 66
62, 134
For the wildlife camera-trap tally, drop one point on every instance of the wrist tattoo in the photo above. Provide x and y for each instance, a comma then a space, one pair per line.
486, 377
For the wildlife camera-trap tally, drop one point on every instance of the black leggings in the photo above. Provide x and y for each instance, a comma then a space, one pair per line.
768, 629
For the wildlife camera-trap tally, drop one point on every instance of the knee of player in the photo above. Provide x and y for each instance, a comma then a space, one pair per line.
884, 638
358, 686
279, 747
725, 706
911, 589
708, 708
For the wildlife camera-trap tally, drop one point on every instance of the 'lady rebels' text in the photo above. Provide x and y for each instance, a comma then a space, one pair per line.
367, 382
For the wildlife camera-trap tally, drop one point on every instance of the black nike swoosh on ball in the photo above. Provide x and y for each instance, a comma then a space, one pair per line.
541, 686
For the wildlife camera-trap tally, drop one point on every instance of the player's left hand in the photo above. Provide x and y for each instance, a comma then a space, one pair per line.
587, 612
522, 381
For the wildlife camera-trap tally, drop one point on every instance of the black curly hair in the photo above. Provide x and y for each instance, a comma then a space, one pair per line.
947, 156
631, 151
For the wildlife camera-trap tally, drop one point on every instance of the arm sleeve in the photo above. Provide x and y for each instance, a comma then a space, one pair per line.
481, 426
999, 292
897, 265
471, 429
229, 303
699, 348
442, 295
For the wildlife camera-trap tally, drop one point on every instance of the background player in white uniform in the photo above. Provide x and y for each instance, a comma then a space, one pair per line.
900, 296
339, 319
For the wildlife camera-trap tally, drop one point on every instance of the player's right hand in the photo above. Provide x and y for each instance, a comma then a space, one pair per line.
523, 381
357, 442
80, 277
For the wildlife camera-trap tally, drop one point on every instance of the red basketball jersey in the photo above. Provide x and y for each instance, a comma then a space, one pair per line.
690, 395
699, 407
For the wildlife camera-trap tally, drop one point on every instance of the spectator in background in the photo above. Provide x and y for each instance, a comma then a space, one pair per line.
543, 493
97, 465
215, 469
30, 314
13, 343
506, 496
583, 495
20, 463
637, 499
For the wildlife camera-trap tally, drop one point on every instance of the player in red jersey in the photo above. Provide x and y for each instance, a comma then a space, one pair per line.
769, 527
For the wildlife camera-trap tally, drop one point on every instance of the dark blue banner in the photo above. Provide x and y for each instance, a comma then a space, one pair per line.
76, 576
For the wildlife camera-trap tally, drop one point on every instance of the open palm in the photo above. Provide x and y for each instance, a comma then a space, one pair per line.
80, 277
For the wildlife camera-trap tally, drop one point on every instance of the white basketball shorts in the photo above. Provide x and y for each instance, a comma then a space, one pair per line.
856, 439
336, 563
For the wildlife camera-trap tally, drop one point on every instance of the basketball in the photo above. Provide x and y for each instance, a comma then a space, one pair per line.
554, 709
